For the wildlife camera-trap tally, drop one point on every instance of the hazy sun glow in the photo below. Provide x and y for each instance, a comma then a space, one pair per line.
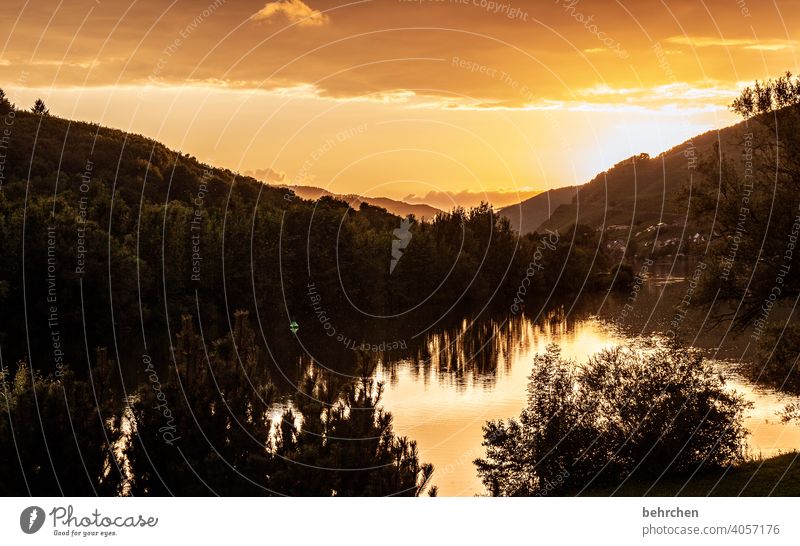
398, 99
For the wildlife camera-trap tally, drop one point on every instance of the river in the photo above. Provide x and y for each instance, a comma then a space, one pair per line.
479, 372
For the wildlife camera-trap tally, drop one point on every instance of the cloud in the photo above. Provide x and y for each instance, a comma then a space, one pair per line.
680, 98
268, 175
746, 43
769, 47
446, 200
672, 91
295, 11
387, 51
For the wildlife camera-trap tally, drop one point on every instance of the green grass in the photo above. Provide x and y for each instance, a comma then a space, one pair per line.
777, 476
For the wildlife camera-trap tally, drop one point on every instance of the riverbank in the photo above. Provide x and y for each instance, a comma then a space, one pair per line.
777, 476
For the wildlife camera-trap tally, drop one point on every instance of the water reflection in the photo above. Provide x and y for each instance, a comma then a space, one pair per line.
444, 414
443, 385
442, 395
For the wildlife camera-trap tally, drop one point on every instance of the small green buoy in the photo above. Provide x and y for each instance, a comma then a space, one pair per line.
294, 327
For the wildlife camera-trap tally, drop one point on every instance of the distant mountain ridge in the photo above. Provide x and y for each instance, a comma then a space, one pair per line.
399, 208
528, 215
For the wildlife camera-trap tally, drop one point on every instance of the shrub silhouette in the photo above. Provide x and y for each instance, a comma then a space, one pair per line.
626, 413
39, 108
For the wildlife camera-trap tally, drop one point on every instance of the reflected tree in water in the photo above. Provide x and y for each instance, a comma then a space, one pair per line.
212, 424
345, 446
235, 437
55, 437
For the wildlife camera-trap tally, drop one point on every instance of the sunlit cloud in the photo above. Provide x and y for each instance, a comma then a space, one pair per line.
699, 97
273, 97
676, 98
446, 200
295, 11
746, 43
61, 63
769, 47
268, 175
672, 91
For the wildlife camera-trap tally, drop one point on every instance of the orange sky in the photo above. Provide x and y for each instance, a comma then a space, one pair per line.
399, 97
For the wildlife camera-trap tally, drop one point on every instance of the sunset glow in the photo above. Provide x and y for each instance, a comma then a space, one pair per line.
418, 96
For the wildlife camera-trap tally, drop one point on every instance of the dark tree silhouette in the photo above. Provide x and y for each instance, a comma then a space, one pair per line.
109, 213
218, 413
626, 414
39, 108
461, 258
55, 437
748, 190
5, 104
768, 96
346, 446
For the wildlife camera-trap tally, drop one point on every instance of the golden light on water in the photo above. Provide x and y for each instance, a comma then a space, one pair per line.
444, 412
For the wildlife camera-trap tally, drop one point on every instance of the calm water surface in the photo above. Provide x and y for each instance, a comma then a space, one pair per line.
443, 402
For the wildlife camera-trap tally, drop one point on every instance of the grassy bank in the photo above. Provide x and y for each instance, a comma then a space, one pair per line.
776, 476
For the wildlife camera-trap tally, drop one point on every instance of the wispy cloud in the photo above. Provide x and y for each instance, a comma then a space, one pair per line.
769, 47
671, 91
745, 43
295, 11
681, 98
268, 175
446, 200
707, 96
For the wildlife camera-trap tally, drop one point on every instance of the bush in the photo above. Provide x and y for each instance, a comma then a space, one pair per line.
626, 413
777, 362
54, 435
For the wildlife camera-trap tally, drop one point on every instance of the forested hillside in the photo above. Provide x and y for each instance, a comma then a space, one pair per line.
635, 193
109, 238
